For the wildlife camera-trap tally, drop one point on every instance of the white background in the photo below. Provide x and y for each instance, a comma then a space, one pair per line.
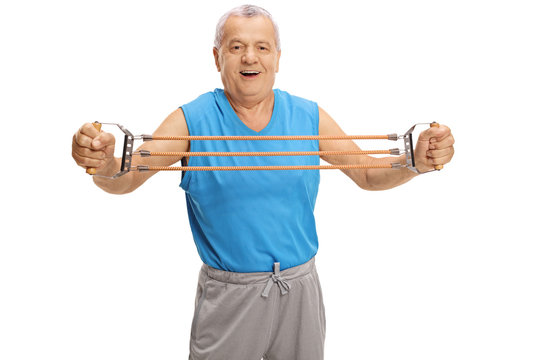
444, 267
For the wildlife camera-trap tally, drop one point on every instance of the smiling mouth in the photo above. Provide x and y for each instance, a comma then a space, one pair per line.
249, 73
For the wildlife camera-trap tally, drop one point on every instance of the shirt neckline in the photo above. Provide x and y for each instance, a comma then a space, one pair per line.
228, 107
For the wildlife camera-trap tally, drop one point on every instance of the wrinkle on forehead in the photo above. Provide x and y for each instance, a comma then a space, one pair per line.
257, 29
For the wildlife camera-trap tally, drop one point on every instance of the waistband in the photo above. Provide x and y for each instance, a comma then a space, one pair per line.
258, 277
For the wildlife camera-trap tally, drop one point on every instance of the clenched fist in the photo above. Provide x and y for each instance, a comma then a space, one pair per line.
92, 148
435, 147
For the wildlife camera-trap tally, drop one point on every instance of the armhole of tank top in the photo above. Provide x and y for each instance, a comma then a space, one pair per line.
186, 175
316, 132
316, 124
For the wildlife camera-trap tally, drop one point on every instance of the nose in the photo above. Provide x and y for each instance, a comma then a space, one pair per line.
249, 57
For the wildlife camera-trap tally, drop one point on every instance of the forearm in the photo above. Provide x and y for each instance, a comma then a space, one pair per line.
434, 147
121, 185
374, 179
384, 179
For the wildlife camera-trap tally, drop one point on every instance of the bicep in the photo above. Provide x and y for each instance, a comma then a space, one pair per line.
174, 125
328, 126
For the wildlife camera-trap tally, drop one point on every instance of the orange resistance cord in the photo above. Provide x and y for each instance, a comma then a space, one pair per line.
280, 153
224, 168
272, 137
269, 153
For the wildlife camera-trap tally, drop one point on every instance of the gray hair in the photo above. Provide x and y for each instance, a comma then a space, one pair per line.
244, 11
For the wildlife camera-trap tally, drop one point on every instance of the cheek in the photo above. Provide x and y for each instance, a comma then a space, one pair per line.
273, 64
229, 66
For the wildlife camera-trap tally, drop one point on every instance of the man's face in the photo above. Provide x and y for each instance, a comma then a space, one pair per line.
248, 59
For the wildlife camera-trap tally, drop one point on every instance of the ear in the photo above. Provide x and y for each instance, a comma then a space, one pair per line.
216, 58
277, 62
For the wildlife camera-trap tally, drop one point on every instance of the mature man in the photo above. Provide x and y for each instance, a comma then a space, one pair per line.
254, 229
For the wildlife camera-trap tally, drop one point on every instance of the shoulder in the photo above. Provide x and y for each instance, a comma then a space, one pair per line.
293, 99
296, 103
303, 112
201, 113
201, 101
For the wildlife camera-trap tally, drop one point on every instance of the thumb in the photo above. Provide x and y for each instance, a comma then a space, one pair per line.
102, 141
435, 133
431, 133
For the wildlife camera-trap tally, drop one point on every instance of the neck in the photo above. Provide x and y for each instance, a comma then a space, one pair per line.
249, 106
254, 113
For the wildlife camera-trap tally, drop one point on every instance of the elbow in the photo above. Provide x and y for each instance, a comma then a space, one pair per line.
362, 179
368, 181
369, 187
113, 187
116, 191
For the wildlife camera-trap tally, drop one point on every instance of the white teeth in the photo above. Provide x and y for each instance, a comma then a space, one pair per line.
249, 72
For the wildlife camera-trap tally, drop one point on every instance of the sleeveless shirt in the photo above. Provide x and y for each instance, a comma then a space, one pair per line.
244, 221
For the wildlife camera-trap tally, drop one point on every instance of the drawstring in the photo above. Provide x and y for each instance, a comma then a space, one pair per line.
283, 285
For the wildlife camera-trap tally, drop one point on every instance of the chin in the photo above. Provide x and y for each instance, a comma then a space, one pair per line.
255, 90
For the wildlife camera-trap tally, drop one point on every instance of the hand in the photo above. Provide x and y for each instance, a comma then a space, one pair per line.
92, 148
435, 146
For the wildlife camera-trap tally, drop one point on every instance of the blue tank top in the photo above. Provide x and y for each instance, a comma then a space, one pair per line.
244, 221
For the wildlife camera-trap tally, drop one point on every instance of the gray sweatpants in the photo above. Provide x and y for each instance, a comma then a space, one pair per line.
248, 316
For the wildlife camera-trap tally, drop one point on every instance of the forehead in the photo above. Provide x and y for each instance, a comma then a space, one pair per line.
256, 28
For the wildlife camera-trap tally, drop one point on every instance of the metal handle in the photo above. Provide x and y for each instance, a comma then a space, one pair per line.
90, 170
434, 124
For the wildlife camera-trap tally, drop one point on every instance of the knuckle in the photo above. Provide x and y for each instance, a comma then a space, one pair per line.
81, 151
76, 157
81, 140
74, 143
86, 127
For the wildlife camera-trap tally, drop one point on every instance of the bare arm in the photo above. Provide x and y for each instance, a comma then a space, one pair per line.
92, 148
437, 152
